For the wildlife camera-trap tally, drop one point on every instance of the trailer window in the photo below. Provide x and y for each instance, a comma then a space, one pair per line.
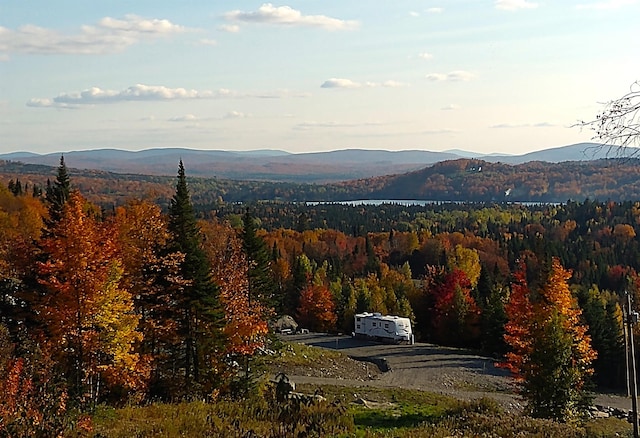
386, 325
358, 319
357, 326
373, 324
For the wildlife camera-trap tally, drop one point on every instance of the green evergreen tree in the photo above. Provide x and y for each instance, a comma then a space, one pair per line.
301, 274
37, 191
57, 194
552, 387
201, 318
373, 264
491, 297
15, 187
262, 286
602, 313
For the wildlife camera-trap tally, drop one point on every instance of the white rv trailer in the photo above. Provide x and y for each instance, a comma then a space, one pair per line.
383, 328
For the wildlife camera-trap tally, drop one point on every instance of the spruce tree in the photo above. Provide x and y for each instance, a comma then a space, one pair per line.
262, 286
201, 316
57, 194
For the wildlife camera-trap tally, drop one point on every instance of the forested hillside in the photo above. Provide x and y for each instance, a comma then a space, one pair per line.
476, 180
459, 180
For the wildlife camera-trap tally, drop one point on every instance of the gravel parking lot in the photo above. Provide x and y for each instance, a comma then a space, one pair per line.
452, 371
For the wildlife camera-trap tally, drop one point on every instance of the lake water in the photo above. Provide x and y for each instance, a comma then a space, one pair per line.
376, 202
384, 201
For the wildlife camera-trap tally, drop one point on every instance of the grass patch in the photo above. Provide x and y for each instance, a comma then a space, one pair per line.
411, 409
609, 427
362, 412
399, 416
302, 355
400, 419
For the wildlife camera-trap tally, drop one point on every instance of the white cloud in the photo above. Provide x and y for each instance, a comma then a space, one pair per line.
414, 14
436, 77
340, 83
450, 107
141, 92
287, 16
135, 24
185, 118
109, 35
513, 5
453, 76
332, 124
349, 84
522, 125
439, 131
235, 115
49, 103
609, 4
393, 84
434, 10
425, 55
231, 28
208, 42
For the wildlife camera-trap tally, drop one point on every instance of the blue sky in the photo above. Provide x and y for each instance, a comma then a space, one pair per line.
507, 76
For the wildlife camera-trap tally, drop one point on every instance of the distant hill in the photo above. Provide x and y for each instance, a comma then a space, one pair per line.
575, 152
535, 181
465, 180
274, 165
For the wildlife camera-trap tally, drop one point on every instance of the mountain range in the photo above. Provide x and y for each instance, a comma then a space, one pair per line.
276, 165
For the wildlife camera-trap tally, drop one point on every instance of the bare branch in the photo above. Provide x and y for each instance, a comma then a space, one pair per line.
617, 127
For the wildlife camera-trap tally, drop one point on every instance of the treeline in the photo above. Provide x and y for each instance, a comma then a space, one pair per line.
137, 303
462, 180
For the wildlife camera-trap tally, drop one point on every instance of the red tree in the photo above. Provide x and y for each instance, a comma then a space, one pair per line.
455, 315
317, 309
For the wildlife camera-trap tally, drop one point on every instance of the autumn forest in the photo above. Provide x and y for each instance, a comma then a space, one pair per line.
147, 301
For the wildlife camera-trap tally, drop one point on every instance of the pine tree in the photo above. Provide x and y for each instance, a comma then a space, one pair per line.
602, 312
57, 194
262, 286
491, 297
201, 319
300, 275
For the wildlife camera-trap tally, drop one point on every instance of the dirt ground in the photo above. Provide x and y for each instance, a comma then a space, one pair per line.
451, 371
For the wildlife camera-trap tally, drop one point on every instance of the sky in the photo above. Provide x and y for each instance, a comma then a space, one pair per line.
503, 76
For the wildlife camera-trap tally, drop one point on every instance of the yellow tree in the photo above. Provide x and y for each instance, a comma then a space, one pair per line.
87, 316
467, 260
400, 286
551, 352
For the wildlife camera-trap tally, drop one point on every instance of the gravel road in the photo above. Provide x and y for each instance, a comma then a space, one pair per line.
452, 371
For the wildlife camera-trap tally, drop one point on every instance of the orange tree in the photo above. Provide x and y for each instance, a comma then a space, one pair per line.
245, 319
317, 309
551, 353
85, 312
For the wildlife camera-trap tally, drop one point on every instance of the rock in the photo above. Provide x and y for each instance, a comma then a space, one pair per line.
599, 414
